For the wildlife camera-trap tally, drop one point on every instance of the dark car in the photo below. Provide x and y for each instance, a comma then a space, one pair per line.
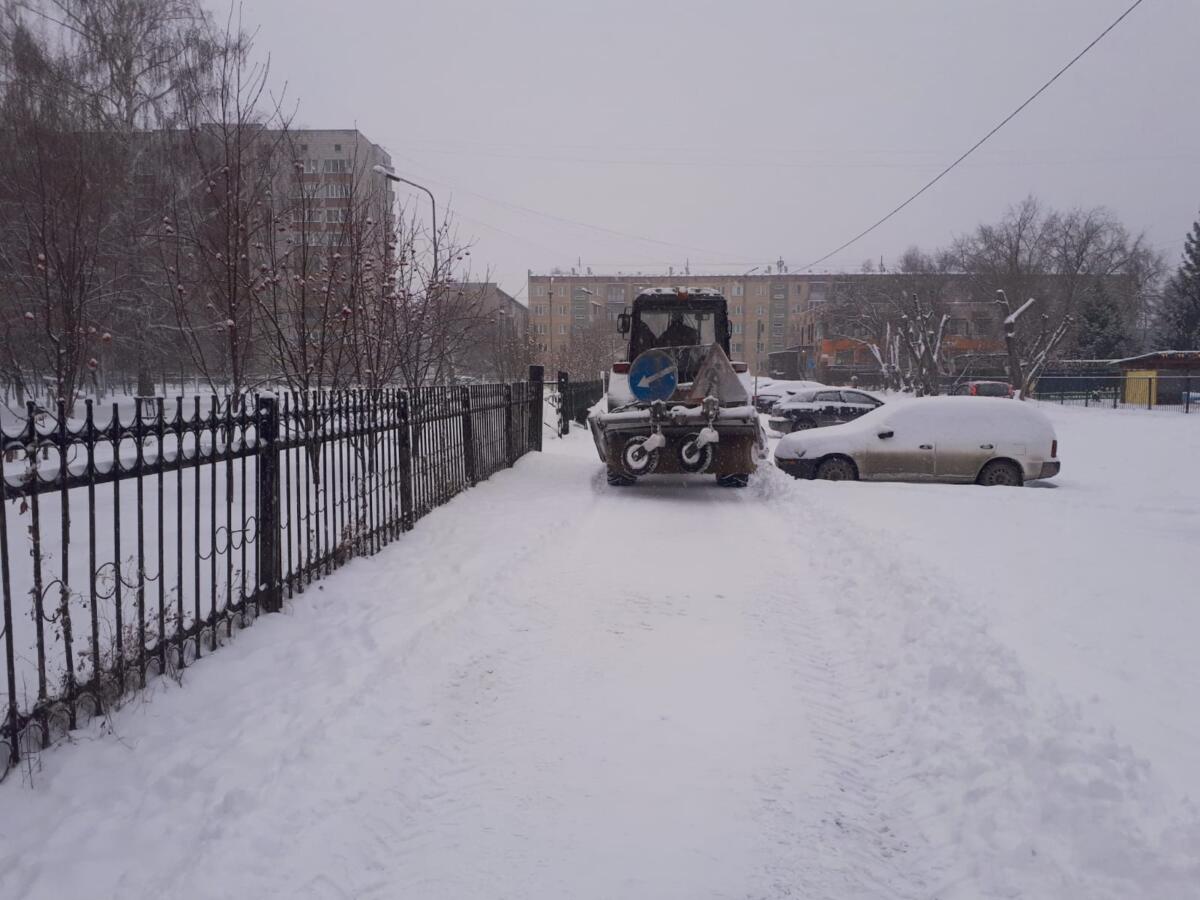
984, 389
813, 409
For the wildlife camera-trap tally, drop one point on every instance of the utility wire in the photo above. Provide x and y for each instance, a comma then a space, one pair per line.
1012, 115
562, 219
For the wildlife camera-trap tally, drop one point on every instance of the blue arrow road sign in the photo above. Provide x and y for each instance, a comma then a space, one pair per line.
653, 376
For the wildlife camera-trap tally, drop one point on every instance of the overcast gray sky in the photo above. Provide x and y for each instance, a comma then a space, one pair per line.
735, 133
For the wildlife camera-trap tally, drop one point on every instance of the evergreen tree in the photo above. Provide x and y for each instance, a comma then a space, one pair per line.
1179, 317
1102, 330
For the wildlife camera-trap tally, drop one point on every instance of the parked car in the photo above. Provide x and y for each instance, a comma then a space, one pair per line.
813, 409
984, 389
767, 396
951, 439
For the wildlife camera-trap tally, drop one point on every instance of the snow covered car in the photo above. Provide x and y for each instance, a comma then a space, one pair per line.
814, 409
766, 397
984, 440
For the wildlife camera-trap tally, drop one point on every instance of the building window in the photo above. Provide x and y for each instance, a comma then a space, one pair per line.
563, 309
797, 308
761, 289
738, 290
539, 309
760, 310
337, 148
336, 216
737, 310
562, 329
817, 292
616, 293
737, 346
539, 328
335, 166
737, 327
539, 290
337, 190
958, 326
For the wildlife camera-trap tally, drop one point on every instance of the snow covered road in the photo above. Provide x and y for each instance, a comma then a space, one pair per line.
556, 689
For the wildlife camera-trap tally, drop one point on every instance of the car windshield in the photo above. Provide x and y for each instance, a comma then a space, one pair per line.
991, 389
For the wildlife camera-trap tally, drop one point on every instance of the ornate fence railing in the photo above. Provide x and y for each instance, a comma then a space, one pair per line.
135, 541
575, 398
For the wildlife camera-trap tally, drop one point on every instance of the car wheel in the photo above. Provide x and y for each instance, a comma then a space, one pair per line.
734, 481
837, 468
804, 424
1001, 472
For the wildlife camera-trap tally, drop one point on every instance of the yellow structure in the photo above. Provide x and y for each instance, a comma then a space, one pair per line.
1141, 387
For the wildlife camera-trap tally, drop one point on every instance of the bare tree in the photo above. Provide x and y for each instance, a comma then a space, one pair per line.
56, 244
1029, 349
130, 61
219, 214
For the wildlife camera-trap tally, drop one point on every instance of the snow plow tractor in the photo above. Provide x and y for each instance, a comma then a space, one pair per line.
677, 405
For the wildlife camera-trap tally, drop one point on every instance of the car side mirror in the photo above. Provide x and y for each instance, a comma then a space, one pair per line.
623, 323
884, 435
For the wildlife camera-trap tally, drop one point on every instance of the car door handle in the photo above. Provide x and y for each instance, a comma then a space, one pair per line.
927, 446
987, 446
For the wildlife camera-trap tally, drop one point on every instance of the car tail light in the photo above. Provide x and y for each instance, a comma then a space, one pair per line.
1054, 449
621, 368
740, 367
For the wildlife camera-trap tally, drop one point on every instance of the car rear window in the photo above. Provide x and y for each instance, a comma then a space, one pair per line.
991, 389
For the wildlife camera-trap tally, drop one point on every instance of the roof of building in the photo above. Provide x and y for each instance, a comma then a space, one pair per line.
1192, 356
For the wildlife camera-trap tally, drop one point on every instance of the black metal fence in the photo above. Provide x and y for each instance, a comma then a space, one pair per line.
1177, 393
575, 398
133, 542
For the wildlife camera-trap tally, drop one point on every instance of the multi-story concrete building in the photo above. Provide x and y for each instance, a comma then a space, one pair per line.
499, 328
768, 313
327, 171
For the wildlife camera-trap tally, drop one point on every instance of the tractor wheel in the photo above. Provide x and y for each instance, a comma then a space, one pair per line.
635, 461
739, 480
693, 459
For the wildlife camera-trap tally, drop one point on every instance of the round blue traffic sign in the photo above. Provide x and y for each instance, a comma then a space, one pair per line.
653, 376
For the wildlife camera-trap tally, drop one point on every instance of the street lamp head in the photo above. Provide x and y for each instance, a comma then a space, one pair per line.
384, 171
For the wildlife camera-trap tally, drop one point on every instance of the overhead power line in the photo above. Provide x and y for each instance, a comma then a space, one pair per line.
1012, 115
563, 220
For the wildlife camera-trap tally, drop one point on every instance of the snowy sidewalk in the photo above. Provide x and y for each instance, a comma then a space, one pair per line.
555, 689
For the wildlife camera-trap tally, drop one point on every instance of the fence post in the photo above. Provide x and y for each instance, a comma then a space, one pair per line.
267, 508
564, 413
10, 714
1149, 393
406, 474
468, 435
537, 396
1187, 394
508, 425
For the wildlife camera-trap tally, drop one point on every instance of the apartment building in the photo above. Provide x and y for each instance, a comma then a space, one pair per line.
768, 313
329, 171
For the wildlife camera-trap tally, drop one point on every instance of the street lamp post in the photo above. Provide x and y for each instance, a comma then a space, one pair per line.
392, 176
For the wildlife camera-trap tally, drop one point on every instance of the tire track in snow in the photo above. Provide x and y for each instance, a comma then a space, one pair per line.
1006, 792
